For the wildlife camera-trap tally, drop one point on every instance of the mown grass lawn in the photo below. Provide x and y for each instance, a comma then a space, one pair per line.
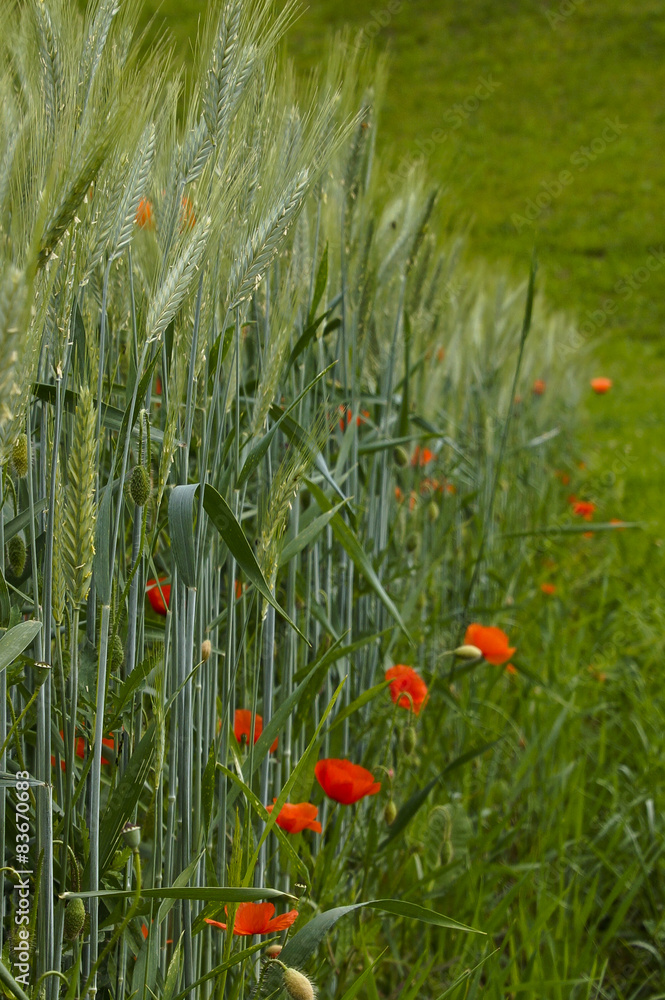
558, 78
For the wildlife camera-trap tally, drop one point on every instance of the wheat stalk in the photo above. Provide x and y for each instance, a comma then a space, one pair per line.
78, 515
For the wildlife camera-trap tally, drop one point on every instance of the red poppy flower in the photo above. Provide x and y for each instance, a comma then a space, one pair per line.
345, 782
242, 727
563, 476
618, 524
601, 385
239, 587
407, 688
399, 496
491, 641
144, 217
539, 387
294, 817
548, 588
421, 456
158, 386
159, 601
257, 918
584, 508
80, 749
440, 354
510, 669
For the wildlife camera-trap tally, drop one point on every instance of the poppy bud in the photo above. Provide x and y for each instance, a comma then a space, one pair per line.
20, 456
74, 919
117, 652
468, 652
16, 554
409, 740
432, 511
390, 812
273, 950
401, 457
412, 543
206, 650
297, 985
139, 487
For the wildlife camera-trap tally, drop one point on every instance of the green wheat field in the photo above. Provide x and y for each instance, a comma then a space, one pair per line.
331, 602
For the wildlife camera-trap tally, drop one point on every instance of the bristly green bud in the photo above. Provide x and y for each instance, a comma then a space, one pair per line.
409, 740
117, 652
433, 511
139, 486
74, 919
16, 554
20, 456
401, 457
390, 812
468, 652
206, 650
298, 986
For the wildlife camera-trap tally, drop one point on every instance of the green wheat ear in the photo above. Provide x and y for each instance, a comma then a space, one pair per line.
78, 517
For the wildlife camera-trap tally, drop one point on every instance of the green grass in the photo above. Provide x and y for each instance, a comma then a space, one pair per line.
557, 86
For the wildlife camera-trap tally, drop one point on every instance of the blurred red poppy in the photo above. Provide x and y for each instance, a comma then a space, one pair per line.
159, 596
242, 727
294, 817
407, 688
421, 456
491, 641
344, 781
144, 215
584, 508
601, 385
548, 588
257, 918
187, 218
539, 387
347, 417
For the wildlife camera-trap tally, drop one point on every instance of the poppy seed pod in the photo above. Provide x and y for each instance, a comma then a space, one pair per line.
468, 652
74, 919
139, 487
273, 950
297, 985
206, 650
20, 456
131, 834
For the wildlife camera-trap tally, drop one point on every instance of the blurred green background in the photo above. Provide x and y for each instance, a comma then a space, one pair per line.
543, 124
